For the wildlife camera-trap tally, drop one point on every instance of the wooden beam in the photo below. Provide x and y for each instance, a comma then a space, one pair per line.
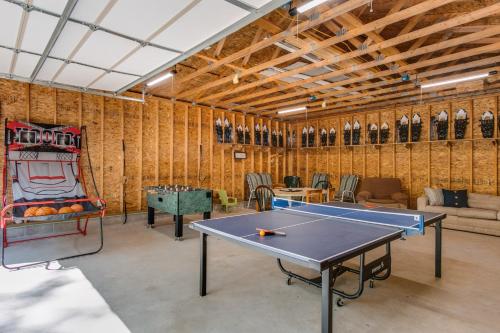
408, 54
312, 22
218, 48
481, 13
377, 24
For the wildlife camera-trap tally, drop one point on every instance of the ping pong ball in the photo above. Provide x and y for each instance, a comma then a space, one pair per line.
262, 233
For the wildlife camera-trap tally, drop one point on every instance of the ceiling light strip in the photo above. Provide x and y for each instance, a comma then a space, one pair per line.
301, 108
459, 80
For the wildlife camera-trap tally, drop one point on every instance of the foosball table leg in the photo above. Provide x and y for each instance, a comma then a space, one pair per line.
178, 226
151, 217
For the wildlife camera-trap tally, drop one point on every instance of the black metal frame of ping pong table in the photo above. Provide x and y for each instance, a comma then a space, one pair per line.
329, 269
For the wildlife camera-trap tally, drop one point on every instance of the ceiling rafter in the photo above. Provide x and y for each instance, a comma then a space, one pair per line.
394, 41
426, 74
408, 54
314, 21
406, 13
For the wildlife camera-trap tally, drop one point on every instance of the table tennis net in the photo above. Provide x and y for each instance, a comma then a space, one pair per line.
410, 223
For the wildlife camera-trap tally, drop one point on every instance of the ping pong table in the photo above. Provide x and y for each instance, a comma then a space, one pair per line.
323, 237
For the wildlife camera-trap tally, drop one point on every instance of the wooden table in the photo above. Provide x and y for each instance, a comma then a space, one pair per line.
290, 193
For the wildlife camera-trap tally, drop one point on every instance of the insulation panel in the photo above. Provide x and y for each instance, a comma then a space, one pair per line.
25, 64
5, 60
68, 39
10, 16
199, 25
104, 50
113, 81
38, 31
144, 60
140, 19
78, 75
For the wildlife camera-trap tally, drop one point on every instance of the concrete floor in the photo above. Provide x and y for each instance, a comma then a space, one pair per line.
144, 281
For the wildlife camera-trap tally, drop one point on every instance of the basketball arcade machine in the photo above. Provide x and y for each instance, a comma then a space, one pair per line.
42, 167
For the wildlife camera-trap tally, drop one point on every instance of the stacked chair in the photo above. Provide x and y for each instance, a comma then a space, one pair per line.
256, 179
347, 188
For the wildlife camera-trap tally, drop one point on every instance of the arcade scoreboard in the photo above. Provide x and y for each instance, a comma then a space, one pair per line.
179, 201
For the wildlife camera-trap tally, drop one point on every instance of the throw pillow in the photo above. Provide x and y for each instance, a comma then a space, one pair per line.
457, 199
435, 196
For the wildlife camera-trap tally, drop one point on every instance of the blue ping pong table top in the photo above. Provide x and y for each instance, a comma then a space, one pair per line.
310, 239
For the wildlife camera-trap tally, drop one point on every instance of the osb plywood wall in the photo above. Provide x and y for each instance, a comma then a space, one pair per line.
165, 142
471, 163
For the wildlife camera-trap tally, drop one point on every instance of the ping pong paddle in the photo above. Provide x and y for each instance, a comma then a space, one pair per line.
266, 232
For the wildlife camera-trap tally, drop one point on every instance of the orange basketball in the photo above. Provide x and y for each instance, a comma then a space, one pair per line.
42, 211
77, 208
65, 210
53, 211
30, 211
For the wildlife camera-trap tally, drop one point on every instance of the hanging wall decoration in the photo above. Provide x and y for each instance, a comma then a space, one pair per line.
304, 137
280, 138
384, 133
416, 127
240, 135
228, 131
331, 137
460, 124
265, 135
218, 130
274, 138
373, 133
356, 133
442, 125
258, 137
487, 124
347, 133
324, 137
403, 128
247, 135
311, 137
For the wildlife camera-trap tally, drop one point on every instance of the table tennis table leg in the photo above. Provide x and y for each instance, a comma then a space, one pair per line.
326, 301
438, 249
203, 264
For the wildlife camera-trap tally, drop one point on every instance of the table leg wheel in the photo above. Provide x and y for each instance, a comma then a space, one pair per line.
340, 302
289, 281
372, 284
178, 238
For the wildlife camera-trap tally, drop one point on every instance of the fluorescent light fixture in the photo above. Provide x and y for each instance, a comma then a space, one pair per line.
302, 108
463, 79
159, 79
309, 5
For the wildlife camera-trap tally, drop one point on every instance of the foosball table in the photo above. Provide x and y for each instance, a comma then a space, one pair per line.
178, 200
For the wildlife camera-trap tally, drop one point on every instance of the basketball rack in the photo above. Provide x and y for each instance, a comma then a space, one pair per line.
42, 168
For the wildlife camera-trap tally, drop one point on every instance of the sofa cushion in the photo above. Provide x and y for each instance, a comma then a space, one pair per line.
441, 209
477, 213
455, 198
484, 201
435, 196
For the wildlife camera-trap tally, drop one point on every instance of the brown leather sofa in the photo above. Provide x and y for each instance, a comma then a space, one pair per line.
382, 192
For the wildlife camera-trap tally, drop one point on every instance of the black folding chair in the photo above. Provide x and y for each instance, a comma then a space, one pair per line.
264, 196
